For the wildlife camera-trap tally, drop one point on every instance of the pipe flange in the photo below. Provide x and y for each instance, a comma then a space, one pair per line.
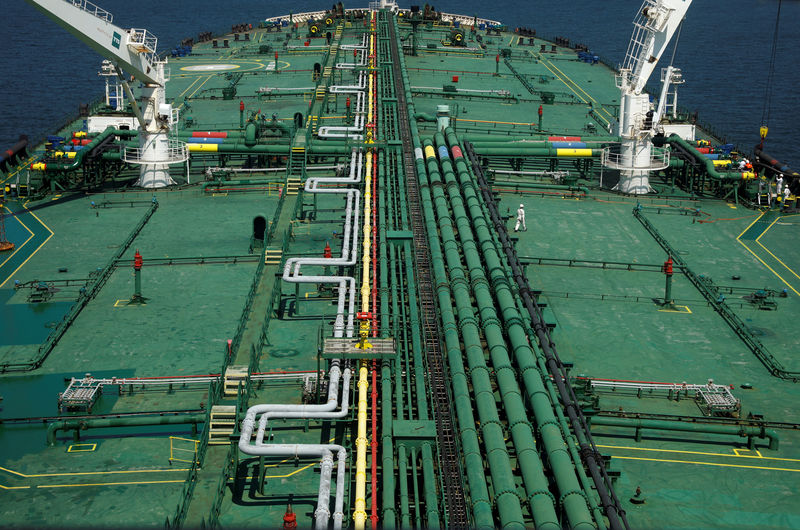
524, 422
509, 491
480, 501
540, 492
478, 369
491, 321
498, 369
478, 280
449, 326
442, 285
572, 492
466, 430
549, 422
533, 367
458, 282
586, 451
463, 322
496, 422
513, 321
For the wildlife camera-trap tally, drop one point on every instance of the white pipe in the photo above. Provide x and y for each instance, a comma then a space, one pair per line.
326, 411
358, 126
291, 271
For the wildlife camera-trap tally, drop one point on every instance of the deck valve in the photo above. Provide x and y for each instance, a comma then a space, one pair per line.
137, 298
363, 331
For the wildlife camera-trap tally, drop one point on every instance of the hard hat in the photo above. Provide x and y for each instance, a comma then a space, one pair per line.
522, 206
781, 175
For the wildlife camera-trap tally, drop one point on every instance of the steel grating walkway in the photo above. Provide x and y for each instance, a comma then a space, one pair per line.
455, 501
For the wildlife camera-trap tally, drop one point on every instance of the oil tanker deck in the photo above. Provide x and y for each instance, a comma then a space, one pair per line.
394, 268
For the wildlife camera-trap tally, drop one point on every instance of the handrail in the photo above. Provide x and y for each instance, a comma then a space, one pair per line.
703, 285
85, 297
92, 9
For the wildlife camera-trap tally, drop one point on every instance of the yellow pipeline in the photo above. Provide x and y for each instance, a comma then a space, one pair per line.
360, 514
573, 152
202, 147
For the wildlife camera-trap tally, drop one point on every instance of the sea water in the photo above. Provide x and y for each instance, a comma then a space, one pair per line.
724, 52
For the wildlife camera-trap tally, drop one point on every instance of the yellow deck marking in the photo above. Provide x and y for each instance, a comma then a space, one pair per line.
700, 453
685, 310
756, 255
22, 165
708, 463
188, 87
296, 471
72, 448
770, 253
758, 453
545, 62
111, 484
35, 251
22, 245
14, 487
77, 473
195, 90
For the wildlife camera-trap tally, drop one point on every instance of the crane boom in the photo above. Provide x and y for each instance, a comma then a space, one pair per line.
654, 26
133, 50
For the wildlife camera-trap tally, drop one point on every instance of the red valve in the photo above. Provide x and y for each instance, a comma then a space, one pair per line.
289, 519
137, 261
667, 268
497, 58
347, 102
364, 316
241, 106
327, 252
541, 110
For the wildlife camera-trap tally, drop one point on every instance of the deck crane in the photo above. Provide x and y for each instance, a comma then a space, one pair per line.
654, 26
134, 52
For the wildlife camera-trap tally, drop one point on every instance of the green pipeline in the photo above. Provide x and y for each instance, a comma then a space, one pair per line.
320, 148
536, 483
662, 425
512, 137
139, 421
573, 498
76, 162
521, 150
508, 504
483, 516
707, 163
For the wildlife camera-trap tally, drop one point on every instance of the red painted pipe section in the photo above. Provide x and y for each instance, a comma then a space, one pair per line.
209, 134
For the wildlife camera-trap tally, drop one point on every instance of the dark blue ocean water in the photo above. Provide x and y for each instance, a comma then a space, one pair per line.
724, 51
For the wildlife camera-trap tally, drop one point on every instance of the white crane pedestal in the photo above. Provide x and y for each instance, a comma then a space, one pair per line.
155, 153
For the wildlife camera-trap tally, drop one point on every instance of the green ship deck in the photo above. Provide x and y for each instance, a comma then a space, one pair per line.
120, 413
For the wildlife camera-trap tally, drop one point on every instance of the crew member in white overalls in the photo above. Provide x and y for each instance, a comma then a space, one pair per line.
520, 219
